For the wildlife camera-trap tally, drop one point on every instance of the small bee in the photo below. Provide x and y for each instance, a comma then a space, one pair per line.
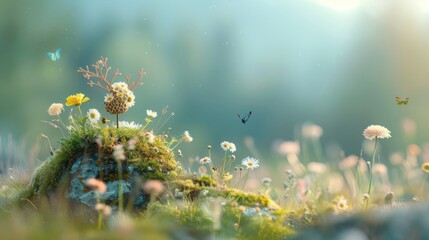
400, 101
105, 120
244, 119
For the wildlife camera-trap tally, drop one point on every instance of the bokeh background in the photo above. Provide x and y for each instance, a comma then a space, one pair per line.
336, 63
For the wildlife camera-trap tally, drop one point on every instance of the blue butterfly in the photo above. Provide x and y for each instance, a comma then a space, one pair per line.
244, 119
56, 55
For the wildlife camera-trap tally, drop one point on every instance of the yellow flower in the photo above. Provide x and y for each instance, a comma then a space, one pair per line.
425, 167
76, 100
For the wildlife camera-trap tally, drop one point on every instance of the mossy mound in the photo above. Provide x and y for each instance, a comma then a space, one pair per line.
85, 155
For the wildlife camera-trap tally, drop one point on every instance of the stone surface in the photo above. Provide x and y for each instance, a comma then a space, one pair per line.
86, 167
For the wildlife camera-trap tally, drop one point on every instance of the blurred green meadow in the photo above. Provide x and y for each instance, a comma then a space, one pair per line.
338, 64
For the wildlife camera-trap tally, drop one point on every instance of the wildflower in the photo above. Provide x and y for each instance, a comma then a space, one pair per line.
266, 181
153, 187
376, 131
250, 163
205, 161
414, 149
366, 197
289, 148
396, 158
209, 147
151, 114
108, 98
312, 131
132, 124
118, 152
179, 153
227, 177
317, 167
187, 137
76, 100
131, 99
232, 157
232, 147
55, 109
106, 210
242, 208
119, 87
150, 137
342, 204
204, 192
348, 162
93, 115
225, 145
96, 185
132, 143
409, 126
425, 167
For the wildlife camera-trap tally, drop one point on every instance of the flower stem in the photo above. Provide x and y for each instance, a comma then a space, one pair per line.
371, 173
223, 164
120, 188
245, 180
117, 121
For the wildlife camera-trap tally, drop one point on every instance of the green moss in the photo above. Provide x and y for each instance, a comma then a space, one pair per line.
154, 158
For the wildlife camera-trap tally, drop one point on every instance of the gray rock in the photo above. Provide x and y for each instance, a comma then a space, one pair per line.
86, 167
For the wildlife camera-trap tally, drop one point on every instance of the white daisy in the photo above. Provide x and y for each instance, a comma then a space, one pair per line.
250, 163
232, 147
119, 87
131, 99
225, 145
93, 115
108, 98
342, 204
205, 161
151, 113
127, 124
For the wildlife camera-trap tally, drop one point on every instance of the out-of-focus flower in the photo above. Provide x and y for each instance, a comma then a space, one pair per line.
232, 147
376, 131
96, 185
342, 204
409, 126
76, 100
132, 143
93, 115
348, 162
151, 113
396, 158
153, 187
250, 163
380, 169
425, 167
266, 181
227, 177
150, 137
414, 149
289, 148
106, 210
187, 137
55, 109
317, 167
132, 124
312, 131
118, 152
335, 183
205, 161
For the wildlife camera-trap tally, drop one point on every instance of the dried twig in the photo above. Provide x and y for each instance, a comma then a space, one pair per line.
101, 71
